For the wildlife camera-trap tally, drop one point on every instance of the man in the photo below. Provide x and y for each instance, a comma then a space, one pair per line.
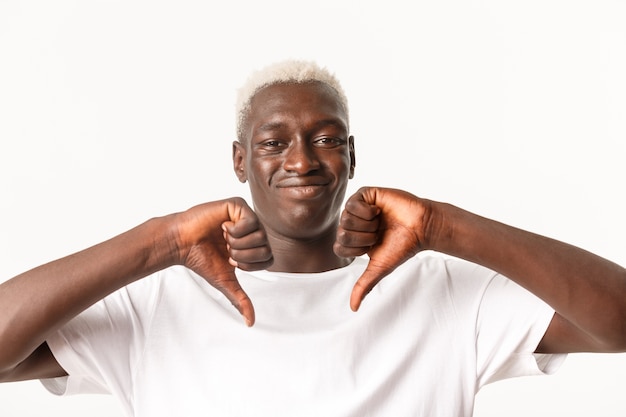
147, 314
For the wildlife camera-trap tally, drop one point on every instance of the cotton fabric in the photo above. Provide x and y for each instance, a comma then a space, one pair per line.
424, 341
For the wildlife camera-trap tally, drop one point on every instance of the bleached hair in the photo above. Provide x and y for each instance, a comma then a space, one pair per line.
283, 72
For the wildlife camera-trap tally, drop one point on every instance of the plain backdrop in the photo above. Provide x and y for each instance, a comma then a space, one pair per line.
112, 112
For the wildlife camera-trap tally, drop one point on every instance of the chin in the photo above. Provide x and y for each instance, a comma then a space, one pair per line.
305, 224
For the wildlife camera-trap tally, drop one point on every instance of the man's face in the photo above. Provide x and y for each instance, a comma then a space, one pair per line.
298, 157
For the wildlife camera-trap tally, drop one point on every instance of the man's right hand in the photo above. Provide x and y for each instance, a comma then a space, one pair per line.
211, 239
214, 238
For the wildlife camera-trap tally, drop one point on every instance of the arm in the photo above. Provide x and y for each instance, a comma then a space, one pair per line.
587, 292
210, 239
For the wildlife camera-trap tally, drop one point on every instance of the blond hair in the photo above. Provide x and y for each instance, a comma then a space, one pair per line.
283, 72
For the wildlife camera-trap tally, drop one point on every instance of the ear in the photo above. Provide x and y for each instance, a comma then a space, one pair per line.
352, 156
239, 161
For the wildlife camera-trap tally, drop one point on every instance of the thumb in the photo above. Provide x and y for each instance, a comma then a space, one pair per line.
374, 272
230, 287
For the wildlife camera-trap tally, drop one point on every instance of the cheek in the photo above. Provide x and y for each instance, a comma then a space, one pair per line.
260, 169
341, 165
260, 177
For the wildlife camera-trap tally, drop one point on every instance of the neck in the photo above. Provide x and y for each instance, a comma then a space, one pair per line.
305, 255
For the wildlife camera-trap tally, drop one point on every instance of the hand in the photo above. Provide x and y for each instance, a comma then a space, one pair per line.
214, 238
386, 224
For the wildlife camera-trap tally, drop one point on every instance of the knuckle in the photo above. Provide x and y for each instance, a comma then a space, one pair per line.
342, 235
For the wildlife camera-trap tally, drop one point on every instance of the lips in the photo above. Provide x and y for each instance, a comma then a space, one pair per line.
301, 187
298, 182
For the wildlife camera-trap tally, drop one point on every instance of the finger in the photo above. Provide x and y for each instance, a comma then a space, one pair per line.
255, 238
357, 206
346, 252
249, 252
261, 254
242, 226
356, 239
349, 221
230, 287
347, 247
366, 282
254, 266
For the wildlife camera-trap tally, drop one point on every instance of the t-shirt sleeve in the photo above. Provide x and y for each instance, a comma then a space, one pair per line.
100, 348
510, 324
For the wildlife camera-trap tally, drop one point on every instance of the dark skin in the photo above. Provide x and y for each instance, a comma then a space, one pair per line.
297, 156
297, 160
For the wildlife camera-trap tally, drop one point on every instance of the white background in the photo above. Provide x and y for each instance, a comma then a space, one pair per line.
112, 112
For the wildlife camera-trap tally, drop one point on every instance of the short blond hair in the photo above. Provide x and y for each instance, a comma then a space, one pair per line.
283, 72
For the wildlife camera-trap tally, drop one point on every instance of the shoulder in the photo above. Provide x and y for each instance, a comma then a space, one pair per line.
453, 270
432, 275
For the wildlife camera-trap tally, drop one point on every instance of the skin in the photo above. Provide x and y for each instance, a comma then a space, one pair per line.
297, 157
587, 291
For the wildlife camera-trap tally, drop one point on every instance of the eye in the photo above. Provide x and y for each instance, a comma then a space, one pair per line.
328, 142
270, 145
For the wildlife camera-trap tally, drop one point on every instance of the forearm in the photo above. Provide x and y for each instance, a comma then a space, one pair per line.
589, 291
37, 302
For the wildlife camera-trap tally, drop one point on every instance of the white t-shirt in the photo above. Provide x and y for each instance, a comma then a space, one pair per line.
422, 344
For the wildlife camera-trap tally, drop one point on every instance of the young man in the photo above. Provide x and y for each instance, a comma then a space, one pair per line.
147, 314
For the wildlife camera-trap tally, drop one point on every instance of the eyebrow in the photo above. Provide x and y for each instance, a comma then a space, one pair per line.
272, 126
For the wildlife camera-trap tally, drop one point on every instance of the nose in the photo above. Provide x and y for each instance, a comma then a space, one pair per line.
301, 158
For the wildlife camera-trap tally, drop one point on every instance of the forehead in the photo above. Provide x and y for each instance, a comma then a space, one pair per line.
293, 101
